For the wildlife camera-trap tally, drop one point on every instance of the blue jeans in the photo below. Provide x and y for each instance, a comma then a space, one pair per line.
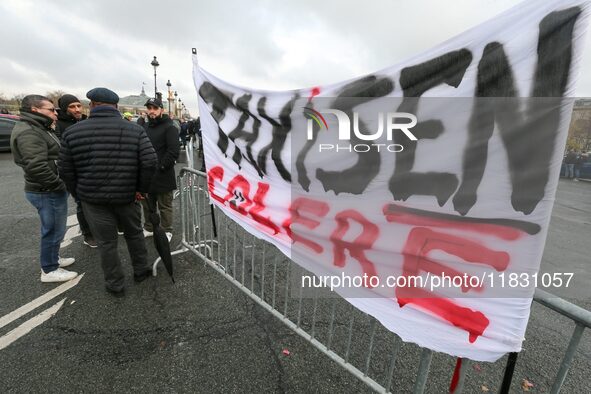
570, 170
53, 212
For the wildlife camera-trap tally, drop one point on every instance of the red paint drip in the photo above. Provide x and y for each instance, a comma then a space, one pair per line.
473, 322
456, 376
315, 92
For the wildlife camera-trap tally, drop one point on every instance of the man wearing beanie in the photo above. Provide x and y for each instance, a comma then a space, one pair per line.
70, 112
104, 162
35, 148
165, 139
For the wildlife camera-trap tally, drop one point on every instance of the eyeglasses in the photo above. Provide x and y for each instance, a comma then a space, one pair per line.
50, 109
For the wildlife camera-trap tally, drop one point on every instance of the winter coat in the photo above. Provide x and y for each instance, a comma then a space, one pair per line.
195, 127
165, 139
106, 159
184, 131
65, 120
35, 148
571, 158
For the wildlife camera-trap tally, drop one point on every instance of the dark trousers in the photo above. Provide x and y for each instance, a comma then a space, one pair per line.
84, 227
164, 207
103, 220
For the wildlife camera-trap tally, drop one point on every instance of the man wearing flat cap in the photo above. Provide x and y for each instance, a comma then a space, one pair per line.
70, 113
105, 161
165, 139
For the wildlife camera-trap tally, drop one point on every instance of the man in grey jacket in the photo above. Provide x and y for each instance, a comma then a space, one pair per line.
35, 148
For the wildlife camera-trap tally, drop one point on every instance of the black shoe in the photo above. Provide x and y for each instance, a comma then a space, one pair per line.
116, 293
90, 241
143, 276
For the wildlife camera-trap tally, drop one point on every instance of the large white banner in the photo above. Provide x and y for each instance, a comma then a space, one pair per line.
421, 193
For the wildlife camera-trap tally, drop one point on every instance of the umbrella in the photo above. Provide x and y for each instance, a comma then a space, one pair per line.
160, 239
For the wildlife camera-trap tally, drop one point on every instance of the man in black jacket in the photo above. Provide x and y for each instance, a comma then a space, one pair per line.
165, 139
105, 161
70, 113
195, 131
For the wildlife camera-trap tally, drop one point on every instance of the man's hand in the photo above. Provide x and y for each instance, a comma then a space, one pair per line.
139, 196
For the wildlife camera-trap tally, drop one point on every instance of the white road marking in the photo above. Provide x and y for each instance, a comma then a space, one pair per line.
72, 220
72, 232
30, 324
23, 310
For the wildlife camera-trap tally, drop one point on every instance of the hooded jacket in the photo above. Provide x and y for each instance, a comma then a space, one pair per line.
35, 148
165, 139
106, 159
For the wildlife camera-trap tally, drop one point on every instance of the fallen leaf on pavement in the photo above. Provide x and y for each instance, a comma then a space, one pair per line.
484, 388
526, 385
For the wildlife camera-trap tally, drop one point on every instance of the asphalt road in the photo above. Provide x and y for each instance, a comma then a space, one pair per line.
203, 335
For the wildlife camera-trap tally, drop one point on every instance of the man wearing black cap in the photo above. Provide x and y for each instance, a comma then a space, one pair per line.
70, 112
165, 139
105, 161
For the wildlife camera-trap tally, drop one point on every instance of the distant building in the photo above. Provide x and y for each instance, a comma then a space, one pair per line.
582, 109
579, 133
133, 103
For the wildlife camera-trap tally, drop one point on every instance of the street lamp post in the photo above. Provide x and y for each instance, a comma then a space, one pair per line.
155, 64
179, 108
169, 95
175, 98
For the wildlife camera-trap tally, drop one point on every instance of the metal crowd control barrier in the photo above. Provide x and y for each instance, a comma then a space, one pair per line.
582, 319
189, 153
343, 333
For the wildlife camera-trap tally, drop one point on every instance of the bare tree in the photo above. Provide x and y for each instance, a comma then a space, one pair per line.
579, 136
54, 95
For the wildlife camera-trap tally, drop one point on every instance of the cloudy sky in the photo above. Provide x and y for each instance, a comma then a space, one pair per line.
77, 45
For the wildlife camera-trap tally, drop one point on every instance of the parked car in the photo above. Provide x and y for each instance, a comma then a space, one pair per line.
7, 123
